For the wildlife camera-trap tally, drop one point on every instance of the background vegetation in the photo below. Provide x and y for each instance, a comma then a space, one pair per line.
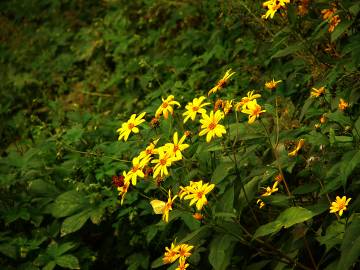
73, 71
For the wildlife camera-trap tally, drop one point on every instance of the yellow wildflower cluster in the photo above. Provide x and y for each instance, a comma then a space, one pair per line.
177, 252
248, 105
196, 192
273, 6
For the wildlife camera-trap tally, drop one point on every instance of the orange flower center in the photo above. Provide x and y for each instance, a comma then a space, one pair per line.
212, 125
221, 83
135, 168
163, 161
341, 205
200, 194
195, 108
165, 104
256, 111
131, 126
176, 147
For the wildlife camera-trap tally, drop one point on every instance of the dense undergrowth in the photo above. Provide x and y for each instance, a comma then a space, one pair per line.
72, 72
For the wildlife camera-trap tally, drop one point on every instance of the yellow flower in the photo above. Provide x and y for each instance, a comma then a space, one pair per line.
299, 145
196, 192
272, 84
253, 110
194, 107
123, 189
184, 251
136, 170
198, 216
328, 13
149, 151
177, 146
343, 105
270, 190
317, 92
228, 106
161, 207
260, 203
211, 126
222, 83
273, 6
171, 254
245, 100
164, 161
339, 205
182, 265
130, 126
166, 107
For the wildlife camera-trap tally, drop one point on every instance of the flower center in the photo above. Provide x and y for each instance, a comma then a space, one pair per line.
176, 147
221, 83
212, 125
163, 161
195, 108
200, 194
165, 104
257, 111
135, 168
131, 126
341, 205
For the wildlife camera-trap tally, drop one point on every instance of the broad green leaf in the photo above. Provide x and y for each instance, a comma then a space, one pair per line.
68, 261
43, 188
333, 236
68, 203
269, 228
73, 223
221, 249
73, 135
221, 171
350, 247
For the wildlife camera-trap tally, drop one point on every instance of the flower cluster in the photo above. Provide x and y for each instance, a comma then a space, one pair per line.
177, 252
332, 19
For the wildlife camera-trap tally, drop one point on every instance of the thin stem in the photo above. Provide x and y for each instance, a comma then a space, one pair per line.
310, 253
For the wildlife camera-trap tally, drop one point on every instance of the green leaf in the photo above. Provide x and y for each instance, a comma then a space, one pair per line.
226, 202
350, 247
221, 171
221, 249
288, 50
75, 222
43, 188
333, 236
340, 29
286, 219
50, 266
68, 261
73, 135
68, 203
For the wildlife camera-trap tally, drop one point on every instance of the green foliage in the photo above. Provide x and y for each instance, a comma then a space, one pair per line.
74, 71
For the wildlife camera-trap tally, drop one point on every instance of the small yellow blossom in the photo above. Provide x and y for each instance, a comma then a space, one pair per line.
171, 254
270, 190
182, 265
343, 105
163, 162
196, 192
272, 84
228, 106
334, 21
177, 146
130, 126
273, 6
317, 92
137, 169
166, 107
260, 203
245, 100
279, 178
184, 251
299, 145
149, 151
195, 107
253, 110
211, 126
323, 119
339, 205
123, 189
222, 83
